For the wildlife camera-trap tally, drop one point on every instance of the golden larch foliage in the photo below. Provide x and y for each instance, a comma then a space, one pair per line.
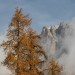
22, 47
54, 68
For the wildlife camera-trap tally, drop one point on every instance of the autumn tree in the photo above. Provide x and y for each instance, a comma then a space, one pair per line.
22, 47
34, 53
54, 68
13, 46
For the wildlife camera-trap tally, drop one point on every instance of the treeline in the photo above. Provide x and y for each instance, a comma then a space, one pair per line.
23, 51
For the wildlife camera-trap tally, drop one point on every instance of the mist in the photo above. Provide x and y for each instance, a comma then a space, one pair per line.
69, 44
3, 69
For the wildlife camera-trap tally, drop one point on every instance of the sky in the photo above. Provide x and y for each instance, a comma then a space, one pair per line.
42, 12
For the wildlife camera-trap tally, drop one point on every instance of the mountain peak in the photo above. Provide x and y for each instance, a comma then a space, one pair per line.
52, 39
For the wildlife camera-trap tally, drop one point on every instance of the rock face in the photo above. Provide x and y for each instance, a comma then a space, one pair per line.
52, 38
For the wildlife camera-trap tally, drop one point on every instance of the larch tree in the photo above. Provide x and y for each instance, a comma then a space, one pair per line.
35, 52
14, 45
22, 47
54, 68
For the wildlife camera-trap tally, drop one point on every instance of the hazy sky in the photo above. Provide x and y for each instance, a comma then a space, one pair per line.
42, 12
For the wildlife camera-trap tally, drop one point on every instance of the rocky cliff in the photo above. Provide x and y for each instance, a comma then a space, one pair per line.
52, 39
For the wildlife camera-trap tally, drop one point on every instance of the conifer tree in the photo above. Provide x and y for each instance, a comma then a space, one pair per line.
14, 45
21, 47
54, 68
34, 51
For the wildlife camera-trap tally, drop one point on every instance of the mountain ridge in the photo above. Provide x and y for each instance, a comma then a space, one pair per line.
52, 39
